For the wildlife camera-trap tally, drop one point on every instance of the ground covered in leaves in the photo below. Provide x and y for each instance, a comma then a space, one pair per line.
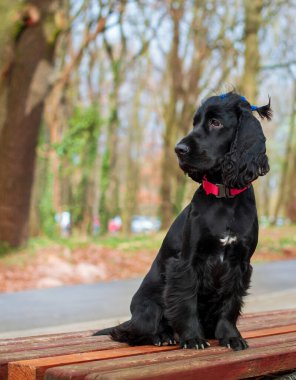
46, 263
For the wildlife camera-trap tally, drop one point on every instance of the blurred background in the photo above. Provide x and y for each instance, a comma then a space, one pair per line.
94, 94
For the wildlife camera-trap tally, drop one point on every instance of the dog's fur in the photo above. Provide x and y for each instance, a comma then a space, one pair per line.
194, 290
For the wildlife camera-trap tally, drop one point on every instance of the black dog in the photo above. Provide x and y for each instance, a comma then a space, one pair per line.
195, 287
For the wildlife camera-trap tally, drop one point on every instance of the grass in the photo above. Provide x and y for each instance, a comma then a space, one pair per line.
4, 250
272, 239
276, 239
122, 242
129, 244
132, 242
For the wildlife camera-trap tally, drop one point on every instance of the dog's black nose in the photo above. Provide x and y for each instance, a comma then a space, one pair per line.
181, 149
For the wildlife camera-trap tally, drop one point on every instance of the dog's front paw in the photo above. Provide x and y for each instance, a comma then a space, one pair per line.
197, 343
165, 338
236, 343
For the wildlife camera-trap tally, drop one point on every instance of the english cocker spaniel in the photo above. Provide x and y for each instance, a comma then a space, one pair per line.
194, 290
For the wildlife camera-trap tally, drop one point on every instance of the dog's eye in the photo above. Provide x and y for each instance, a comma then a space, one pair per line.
214, 123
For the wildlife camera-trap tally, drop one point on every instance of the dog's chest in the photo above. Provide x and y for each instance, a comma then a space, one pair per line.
217, 264
227, 240
217, 248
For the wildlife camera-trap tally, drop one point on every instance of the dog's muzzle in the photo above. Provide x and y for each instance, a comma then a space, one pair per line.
181, 149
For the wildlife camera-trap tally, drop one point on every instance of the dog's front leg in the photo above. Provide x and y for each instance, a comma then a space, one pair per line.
180, 297
226, 331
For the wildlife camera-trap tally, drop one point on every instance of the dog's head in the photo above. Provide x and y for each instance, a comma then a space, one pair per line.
226, 139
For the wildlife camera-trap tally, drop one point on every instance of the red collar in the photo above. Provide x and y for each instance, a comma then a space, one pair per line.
220, 190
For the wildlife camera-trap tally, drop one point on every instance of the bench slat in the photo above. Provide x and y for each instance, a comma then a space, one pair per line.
269, 331
263, 320
230, 366
45, 337
79, 371
5, 358
34, 369
270, 313
53, 343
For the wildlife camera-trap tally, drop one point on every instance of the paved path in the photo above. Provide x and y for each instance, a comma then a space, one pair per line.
103, 304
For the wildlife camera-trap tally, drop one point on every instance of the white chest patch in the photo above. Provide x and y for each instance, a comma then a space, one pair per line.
227, 240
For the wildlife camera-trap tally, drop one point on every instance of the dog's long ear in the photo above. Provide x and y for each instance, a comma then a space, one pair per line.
247, 157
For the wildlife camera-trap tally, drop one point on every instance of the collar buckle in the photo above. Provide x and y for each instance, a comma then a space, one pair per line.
223, 191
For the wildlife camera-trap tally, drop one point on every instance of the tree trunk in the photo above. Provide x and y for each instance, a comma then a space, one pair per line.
108, 178
109, 200
249, 81
291, 198
287, 163
253, 22
27, 83
170, 113
38, 189
132, 182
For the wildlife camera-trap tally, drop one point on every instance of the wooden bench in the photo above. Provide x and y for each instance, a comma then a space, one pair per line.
77, 356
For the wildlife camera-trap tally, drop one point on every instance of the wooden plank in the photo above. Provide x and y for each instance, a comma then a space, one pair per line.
230, 366
264, 320
269, 313
46, 337
266, 317
34, 369
5, 358
37, 367
41, 345
80, 371
269, 331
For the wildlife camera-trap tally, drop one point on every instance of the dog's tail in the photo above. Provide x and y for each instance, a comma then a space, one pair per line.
106, 331
126, 333
116, 332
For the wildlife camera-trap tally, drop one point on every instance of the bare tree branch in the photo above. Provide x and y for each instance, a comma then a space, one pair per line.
280, 65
